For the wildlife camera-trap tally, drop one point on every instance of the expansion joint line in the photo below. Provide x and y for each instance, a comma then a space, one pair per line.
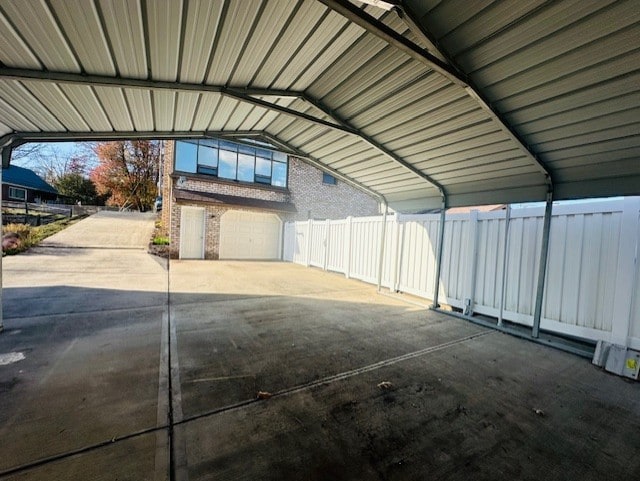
172, 423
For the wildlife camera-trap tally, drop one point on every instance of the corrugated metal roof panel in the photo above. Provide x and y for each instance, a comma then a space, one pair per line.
4, 129
164, 106
38, 27
140, 109
551, 21
602, 92
115, 106
409, 97
203, 21
27, 107
290, 38
17, 121
574, 61
124, 26
54, 99
87, 104
236, 26
186, 106
265, 34
563, 75
164, 27
322, 35
15, 52
240, 114
225, 109
207, 107
81, 24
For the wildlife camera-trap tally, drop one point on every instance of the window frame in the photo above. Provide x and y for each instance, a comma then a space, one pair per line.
11, 196
256, 152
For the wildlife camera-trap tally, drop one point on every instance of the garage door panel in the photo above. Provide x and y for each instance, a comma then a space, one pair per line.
250, 235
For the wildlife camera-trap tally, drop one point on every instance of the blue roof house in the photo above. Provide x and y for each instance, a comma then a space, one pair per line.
20, 184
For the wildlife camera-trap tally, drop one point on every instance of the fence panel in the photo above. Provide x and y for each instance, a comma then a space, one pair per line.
289, 242
337, 245
318, 239
418, 245
487, 290
456, 267
365, 242
592, 287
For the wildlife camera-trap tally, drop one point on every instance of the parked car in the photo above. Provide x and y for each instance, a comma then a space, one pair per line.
157, 205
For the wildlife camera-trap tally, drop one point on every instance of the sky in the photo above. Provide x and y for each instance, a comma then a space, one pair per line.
61, 150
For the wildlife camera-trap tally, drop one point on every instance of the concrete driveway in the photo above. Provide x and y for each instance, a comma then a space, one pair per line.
107, 229
280, 372
88, 322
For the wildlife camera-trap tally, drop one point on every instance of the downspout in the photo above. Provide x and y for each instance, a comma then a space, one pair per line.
382, 241
542, 268
443, 214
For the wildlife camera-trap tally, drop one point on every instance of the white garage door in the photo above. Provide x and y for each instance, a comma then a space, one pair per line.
249, 235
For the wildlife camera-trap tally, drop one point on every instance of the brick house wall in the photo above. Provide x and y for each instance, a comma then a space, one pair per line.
315, 200
311, 197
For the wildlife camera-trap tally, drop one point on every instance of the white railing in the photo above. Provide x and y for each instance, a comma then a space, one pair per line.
592, 287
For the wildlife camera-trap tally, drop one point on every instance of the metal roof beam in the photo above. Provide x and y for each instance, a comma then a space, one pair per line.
447, 68
8, 141
246, 95
376, 145
373, 25
133, 83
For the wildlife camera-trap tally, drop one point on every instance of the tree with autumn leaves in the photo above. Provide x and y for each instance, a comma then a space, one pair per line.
127, 172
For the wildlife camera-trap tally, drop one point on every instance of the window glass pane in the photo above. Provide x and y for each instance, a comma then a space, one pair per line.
263, 167
244, 149
207, 170
228, 146
209, 142
263, 153
227, 164
328, 179
207, 156
279, 175
186, 156
245, 167
279, 156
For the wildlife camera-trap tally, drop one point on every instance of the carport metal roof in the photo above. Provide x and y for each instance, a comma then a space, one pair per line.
484, 101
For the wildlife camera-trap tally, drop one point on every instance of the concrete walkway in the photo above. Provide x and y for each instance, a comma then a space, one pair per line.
87, 322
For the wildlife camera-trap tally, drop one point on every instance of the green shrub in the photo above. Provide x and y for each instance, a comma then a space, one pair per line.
160, 241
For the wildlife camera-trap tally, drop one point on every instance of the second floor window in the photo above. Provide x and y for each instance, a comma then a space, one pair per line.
231, 161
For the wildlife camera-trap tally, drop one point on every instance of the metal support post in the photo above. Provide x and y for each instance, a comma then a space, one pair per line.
382, 241
542, 271
443, 216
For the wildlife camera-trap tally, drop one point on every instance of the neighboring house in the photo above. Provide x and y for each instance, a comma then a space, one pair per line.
229, 200
24, 185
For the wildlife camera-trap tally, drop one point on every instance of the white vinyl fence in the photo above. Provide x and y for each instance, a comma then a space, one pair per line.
592, 287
